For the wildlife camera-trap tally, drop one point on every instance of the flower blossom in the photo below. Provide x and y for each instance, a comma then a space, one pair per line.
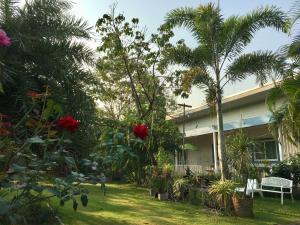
67, 123
4, 39
140, 130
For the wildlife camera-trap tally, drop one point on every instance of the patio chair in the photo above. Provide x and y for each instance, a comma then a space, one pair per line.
252, 186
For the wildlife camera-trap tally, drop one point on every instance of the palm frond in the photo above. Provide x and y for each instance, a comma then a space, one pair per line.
8, 10
182, 17
295, 12
239, 31
260, 64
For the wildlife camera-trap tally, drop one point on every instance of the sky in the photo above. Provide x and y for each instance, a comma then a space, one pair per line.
151, 14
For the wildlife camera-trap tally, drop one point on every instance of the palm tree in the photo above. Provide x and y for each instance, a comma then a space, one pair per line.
218, 58
286, 116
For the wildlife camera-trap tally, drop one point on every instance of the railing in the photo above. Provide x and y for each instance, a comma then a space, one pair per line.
193, 168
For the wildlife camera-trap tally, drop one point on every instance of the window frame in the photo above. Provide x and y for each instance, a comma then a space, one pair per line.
264, 141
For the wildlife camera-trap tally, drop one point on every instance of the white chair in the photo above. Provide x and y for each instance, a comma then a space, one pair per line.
252, 186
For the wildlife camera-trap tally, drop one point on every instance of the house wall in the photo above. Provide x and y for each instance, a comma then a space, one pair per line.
232, 115
289, 148
203, 154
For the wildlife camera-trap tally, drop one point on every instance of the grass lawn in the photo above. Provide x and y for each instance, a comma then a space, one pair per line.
127, 204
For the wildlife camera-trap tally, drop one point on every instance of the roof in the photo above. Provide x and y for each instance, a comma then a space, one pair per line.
247, 97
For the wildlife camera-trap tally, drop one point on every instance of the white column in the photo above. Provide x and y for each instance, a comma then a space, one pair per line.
280, 139
215, 152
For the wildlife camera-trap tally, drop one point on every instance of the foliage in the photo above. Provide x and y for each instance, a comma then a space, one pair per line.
204, 179
30, 161
285, 115
164, 158
218, 58
223, 191
289, 169
161, 178
48, 49
239, 150
284, 100
134, 91
130, 66
181, 188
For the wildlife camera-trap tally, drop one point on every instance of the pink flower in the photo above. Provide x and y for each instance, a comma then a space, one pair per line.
4, 39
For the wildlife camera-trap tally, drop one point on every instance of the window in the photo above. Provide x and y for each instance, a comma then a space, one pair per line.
266, 150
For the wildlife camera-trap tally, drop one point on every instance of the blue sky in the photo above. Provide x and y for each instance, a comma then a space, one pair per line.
152, 12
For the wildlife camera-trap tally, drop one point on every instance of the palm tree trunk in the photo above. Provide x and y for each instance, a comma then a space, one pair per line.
221, 141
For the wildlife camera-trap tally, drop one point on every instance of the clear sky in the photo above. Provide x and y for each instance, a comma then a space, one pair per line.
151, 14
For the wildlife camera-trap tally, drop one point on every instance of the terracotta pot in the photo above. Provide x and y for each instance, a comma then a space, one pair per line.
243, 207
163, 196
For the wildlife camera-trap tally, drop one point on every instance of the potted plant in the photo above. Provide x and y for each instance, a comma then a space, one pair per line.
239, 149
222, 191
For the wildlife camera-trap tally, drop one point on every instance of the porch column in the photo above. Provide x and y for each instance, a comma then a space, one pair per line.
176, 158
280, 139
215, 151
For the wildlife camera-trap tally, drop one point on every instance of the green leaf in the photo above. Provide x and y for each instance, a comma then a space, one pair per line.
35, 140
70, 161
15, 168
84, 200
1, 88
75, 205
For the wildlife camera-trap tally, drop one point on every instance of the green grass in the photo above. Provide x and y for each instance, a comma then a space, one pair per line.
127, 204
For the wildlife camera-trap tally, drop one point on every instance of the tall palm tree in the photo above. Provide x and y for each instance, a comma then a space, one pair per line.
218, 58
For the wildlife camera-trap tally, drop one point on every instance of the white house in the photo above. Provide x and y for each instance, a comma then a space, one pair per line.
247, 110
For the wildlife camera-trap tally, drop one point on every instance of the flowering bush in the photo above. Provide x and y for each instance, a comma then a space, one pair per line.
31, 157
4, 39
140, 130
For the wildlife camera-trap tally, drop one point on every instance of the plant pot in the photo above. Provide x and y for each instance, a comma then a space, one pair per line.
243, 207
163, 196
152, 192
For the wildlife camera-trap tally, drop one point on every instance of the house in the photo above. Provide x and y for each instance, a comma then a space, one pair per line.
246, 110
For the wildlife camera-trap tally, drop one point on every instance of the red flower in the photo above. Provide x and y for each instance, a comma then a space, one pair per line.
6, 168
5, 124
67, 123
140, 130
4, 132
3, 116
4, 39
33, 94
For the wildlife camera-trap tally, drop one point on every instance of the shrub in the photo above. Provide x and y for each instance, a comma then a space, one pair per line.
223, 191
204, 179
289, 169
181, 188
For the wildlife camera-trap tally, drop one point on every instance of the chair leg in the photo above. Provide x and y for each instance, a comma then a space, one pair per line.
281, 198
261, 194
292, 197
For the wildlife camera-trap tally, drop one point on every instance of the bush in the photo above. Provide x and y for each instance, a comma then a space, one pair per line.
161, 178
181, 188
204, 179
223, 191
289, 169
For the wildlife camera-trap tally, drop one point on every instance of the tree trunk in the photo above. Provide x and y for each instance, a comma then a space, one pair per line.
221, 141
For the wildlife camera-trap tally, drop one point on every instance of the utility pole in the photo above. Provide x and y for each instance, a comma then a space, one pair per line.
183, 126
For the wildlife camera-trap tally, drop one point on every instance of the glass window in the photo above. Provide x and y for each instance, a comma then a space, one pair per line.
266, 150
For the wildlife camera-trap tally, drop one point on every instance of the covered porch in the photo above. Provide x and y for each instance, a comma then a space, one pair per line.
204, 156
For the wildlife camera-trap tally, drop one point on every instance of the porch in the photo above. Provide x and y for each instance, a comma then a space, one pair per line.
204, 158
